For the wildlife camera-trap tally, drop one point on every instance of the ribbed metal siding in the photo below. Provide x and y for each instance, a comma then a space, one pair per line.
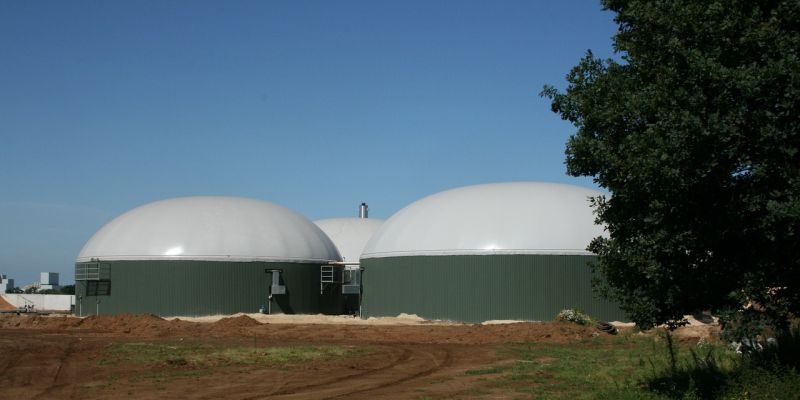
479, 288
190, 288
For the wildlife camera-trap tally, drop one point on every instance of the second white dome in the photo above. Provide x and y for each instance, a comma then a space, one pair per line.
497, 218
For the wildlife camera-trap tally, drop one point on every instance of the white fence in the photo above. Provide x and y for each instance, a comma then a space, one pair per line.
50, 302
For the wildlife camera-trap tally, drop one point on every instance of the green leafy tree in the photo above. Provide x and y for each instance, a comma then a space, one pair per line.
68, 289
694, 132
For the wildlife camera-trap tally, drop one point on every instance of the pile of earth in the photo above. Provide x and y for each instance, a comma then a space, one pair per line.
138, 325
545, 332
233, 325
242, 325
144, 325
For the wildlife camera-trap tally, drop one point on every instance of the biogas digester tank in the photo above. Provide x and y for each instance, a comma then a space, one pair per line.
205, 255
502, 251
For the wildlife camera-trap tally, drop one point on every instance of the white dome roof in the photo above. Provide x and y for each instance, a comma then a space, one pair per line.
497, 218
210, 228
350, 235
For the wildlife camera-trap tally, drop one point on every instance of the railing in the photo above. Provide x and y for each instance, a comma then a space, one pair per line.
329, 275
29, 305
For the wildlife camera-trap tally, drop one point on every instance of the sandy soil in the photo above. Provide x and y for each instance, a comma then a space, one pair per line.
402, 319
4, 305
46, 357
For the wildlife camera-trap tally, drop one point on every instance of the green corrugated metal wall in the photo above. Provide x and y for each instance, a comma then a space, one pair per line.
475, 288
192, 288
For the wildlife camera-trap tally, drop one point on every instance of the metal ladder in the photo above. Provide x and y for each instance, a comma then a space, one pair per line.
326, 275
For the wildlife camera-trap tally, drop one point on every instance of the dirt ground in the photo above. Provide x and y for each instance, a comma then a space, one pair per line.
55, 357
4, 305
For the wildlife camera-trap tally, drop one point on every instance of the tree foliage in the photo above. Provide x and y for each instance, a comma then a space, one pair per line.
694, 131
67, 289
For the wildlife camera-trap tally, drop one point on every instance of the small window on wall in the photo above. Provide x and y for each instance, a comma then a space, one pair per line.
98, 288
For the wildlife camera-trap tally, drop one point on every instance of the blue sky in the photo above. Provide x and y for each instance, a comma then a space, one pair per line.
314, 105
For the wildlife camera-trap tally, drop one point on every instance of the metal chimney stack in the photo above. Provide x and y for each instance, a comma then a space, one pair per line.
363, 211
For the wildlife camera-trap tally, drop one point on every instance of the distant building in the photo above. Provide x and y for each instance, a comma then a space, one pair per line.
49, 281
6, 284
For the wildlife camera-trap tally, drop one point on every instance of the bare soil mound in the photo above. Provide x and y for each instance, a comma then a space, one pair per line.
151, 325
138, 325
133, 325
550, 332
124, 323
240, 321
233, 325
34, 321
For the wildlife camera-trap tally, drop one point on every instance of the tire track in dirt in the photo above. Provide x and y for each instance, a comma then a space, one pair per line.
11, 353
22, 377
400, 356
415, 363
447, 360
50, 391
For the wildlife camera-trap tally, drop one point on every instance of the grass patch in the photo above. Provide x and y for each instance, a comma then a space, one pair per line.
639, 367
485, 371
203, 356
161, 363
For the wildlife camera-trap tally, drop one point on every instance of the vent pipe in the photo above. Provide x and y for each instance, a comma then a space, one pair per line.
363, 211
